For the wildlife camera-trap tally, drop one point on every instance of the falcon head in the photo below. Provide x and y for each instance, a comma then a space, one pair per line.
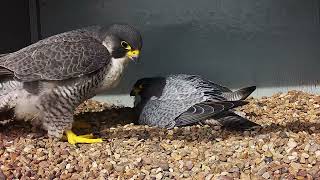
122, 41
148, 87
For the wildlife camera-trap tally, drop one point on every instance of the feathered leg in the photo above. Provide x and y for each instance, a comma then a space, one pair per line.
58, 109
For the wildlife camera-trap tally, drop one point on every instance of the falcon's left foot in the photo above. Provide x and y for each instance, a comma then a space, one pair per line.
88, 138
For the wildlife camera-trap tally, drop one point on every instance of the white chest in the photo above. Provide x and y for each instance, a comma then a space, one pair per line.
26, 106
113, 74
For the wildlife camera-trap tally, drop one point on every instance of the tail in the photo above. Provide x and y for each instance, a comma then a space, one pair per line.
240, 94
232, 121
205, 110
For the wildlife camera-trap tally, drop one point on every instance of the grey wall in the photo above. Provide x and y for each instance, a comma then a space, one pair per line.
269, 43
15, 27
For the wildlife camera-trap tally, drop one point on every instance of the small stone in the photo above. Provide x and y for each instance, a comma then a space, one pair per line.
2, 176
28, 148
313, 128
262, 171
244, 176
317, 153
164, 166
292, 144
141, 176
305, 155
94, 164
302, 173
223, 158
234, 170
75, 176
224, 177
265, 147
176, 156
146, 161
266, 175
189, 165
117, 156
295, 166
293, 157
209, 177
200, 176
118, 168
159, 176
283, 134
240, 165
224, 173
108, 166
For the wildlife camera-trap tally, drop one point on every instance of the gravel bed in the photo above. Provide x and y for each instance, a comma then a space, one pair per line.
286, 147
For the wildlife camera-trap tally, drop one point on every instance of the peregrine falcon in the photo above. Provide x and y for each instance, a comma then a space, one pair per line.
180, 100
46, 81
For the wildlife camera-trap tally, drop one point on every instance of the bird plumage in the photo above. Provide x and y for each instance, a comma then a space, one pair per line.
179, 100
50, 78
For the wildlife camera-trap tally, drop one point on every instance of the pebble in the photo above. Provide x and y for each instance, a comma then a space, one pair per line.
266, 175
28, 148
285, 148
2, 176
189, 165
317, 153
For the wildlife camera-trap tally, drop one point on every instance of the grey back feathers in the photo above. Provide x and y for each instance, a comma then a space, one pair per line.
67, 55
63, 56
45, 81
184, 100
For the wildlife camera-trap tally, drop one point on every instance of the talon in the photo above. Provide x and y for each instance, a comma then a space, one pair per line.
89, 136
74, 139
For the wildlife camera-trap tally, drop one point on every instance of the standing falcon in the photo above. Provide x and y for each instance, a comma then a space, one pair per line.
180, 100
46, 81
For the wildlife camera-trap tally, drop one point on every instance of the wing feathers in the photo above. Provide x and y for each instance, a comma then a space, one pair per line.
205, 110
58, 60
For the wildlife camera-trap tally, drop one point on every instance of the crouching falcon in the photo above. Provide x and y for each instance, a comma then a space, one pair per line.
46, 81
181, 100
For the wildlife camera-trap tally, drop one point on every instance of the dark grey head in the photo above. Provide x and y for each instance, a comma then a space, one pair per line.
148, 87
122, 41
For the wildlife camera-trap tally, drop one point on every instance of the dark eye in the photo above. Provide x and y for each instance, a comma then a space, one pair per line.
125, 45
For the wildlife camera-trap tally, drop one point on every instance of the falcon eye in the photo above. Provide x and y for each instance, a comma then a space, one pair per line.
140, 86
125, 45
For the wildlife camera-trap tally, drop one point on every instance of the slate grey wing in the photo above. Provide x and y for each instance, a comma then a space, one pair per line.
209, 89
232, 121
175, 99
161, 113
240, 94
57, 59
205, 110
215, 91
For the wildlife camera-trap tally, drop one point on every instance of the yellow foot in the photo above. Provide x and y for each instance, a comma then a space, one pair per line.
74, 139
88, 136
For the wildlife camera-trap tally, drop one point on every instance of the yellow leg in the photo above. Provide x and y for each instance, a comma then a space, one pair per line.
74, 139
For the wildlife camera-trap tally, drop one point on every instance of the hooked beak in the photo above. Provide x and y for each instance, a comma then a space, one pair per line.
133, 54
134, 92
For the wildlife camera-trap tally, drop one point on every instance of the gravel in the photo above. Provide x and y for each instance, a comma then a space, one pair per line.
286, 147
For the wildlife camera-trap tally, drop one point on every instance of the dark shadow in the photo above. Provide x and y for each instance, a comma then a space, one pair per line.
104, 123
